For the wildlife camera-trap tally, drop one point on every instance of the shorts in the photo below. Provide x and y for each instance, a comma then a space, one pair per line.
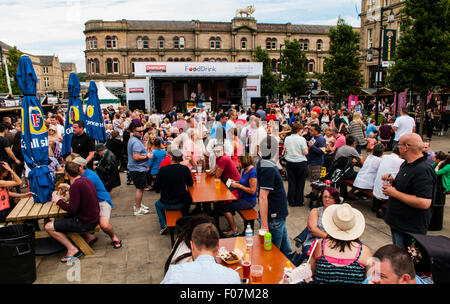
105, 209
139, 179
72, 224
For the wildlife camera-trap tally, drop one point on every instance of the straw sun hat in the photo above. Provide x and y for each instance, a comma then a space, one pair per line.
342, 222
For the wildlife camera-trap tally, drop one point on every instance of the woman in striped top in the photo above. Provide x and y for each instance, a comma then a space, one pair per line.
341, 257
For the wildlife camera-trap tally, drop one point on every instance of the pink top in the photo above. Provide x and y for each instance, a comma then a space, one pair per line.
371, 143
333, 260
340, 141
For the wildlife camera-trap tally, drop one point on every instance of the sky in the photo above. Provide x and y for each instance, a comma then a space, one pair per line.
47, 27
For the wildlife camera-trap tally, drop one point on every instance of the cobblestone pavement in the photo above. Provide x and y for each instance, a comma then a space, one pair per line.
144, 251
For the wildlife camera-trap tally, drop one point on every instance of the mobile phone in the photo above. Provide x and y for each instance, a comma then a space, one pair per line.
244, 281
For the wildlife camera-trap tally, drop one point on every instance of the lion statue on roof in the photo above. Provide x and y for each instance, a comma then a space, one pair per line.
248, 11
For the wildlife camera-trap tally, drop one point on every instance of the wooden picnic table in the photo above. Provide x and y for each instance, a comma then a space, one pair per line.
27, 209
273, 260
205, 191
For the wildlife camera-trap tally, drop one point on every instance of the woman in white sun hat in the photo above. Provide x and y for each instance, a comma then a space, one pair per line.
341, 257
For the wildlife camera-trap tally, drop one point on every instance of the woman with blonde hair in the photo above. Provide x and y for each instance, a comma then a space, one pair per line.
356, 129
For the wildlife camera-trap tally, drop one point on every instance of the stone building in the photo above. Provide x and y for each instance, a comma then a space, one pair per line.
113, 46
371, 12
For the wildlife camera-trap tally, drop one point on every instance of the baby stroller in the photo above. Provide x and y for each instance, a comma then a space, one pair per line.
431, 256
340, 169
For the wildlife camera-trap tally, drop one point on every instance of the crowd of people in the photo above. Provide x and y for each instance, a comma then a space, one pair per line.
256, 148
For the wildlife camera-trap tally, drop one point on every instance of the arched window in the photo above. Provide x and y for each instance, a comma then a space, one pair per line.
145, 42
94, 65
116, 66
88, 43
176, 42
212, 60
319, 44
218, 60
182, 59
212, 42
244, 43
176, 60
206, 59
152, 59
311, 66
304, 44
224, 60
94, 42
170, 59
271, 43
181, 42
109, 66
218, 41
161, 42
140, 43
188, 59
274, 43
108, 42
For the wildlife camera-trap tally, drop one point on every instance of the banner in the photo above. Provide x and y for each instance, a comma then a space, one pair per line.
352, 100
74, 112
402, 99
389, 44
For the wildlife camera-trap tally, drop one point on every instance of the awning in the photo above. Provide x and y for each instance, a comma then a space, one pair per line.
373, 92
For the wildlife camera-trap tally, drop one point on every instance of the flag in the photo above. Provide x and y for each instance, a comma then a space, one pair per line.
34, 140
74, 112
352, 100
95, 126
430, 94
402, 99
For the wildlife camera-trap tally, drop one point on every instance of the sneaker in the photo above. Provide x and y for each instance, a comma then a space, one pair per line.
142, 207
141, 212
145, 207
164, 230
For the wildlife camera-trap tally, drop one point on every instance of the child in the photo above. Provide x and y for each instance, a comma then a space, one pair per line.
371, 141
109, 129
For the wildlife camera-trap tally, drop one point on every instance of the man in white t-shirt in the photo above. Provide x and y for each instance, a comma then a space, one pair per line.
404, 124
260, 133
389, 164
59, 128
155, 118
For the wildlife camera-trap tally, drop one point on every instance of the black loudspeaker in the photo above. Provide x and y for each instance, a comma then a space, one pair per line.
259, 101
136, 104
160, 94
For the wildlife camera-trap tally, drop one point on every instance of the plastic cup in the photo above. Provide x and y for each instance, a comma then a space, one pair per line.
217, 182
246, 269
256, 273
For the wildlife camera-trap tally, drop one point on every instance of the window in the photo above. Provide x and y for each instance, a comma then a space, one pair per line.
132, 64
311, 66
88, 43
45, 70
218, 60
369, 38
206, 59
304, 44
271, 43
116, 66
217, 42
94, 42
176, 43
244, 43
170, 59
182, 59
212, 60
176, 60
108, 42
114, 42
188, 59
224, 60
181, 42
109, 66
97, 66
140, 43
274, 44
145, 43
212, 43
319, 45
92, 66
46, 82
274, 65
160, 42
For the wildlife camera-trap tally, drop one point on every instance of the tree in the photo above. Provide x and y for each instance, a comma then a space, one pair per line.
293, 67
341, 76
268, 80
13, 62
422, 58
82, 77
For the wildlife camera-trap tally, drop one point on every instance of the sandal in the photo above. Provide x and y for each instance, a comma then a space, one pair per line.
117, 244
231, 234
70, 257
92, 242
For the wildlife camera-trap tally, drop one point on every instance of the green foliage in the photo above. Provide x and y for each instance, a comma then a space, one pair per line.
82, 77
293, 67
341, 75
422, 59
13, 62
268, 79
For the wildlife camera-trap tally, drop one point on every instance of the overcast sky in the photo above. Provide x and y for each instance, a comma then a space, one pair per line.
47, 27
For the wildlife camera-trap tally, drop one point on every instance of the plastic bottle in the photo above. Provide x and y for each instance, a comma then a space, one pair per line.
287, 273
268, 241
249, 231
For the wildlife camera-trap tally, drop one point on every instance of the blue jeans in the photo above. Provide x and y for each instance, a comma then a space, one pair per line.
161, 207
397, 237
280, 237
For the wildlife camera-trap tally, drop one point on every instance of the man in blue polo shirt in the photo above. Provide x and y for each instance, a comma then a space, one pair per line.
272, 197
104, 201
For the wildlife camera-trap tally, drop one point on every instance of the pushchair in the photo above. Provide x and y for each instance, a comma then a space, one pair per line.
340, 169
431, 256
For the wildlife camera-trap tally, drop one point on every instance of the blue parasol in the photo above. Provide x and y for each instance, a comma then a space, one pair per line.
34, 139
94, 118
74, 112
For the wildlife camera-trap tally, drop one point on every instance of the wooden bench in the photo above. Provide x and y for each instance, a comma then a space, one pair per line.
249, 216
377, 203
172, 217
27, 209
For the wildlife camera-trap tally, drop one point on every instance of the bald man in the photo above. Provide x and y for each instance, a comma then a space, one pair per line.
411, 192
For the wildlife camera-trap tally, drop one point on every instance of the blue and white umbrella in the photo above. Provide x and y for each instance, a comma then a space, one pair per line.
95, 126
34, 139
74, 112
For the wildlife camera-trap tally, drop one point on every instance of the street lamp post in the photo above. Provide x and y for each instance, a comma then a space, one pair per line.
379, 73
279, 80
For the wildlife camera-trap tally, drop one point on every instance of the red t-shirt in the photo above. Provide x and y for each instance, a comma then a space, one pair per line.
317, 109
166, 161
271, 117
229, 170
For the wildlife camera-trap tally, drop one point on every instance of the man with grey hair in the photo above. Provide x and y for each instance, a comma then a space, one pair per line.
411, 192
